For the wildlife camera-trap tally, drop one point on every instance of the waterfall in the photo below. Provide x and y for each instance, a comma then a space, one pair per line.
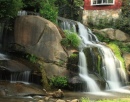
112, 69
84, 74
20, 76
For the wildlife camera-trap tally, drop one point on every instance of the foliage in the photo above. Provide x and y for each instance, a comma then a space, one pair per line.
117, 52
10, 8
102, 38
71, 40
123, 47
60, 3
58, 82
73, 56
34, 5
105, 100
125, 8
85, 99
32, 58
101, 23
115, 100
73, 59
72, 10
48, 10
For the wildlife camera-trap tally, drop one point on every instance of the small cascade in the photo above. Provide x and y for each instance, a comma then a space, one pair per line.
20, 76
15, 71
112, 69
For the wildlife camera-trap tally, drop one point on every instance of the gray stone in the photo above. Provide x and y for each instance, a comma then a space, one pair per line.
114, 34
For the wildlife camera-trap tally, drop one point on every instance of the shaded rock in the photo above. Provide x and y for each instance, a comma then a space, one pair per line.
2, 92
75, 80
58, 94
52, 69
55, 94
126, 57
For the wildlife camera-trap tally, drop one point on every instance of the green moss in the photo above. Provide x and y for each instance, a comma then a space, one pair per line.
71, 40
99, 64
117, 53
105, 100
58, 82
44, 76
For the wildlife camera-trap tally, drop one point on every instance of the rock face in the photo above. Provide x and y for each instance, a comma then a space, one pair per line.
127, 63
41, 38
114, 34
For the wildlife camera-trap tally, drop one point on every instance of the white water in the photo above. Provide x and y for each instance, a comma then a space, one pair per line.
111, 65
84, 73
109, 60
20, 76
110, 72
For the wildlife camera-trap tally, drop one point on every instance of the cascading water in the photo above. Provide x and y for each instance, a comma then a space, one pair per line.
82, 59
84, 73
111, 66
20, 76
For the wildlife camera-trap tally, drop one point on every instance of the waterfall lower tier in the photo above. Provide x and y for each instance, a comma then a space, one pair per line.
91, 85
84, 74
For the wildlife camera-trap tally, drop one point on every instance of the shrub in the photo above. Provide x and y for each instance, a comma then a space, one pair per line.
58, 82
32, 58
85, 99
49, 11
71, 40
100, 23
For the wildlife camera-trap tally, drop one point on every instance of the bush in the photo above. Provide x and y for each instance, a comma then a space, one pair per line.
49, 11
32, 58
71, 40
10, 8
58, 82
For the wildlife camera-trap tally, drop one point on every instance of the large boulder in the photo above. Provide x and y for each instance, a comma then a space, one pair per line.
39, 37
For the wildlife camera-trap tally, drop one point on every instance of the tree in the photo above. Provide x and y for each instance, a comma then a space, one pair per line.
125, 8
72, 9
10, 8
123, 23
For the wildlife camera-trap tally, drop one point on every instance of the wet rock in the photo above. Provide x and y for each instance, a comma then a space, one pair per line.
46, 98
55, 94
58, 94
